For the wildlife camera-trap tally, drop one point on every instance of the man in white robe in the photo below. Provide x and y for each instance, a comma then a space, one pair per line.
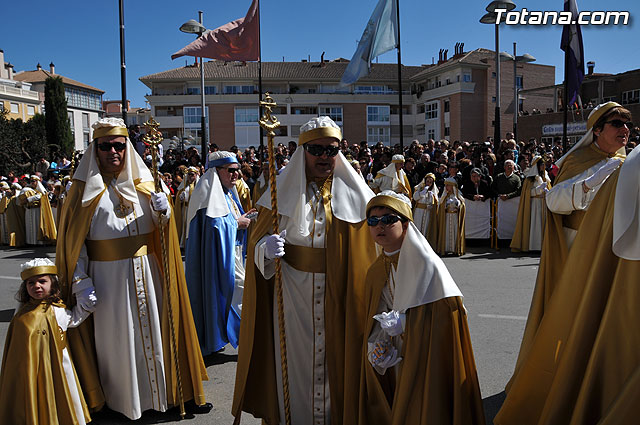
392, 177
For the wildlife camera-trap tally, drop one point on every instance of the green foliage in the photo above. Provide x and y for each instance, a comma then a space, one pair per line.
57, 120
21, 143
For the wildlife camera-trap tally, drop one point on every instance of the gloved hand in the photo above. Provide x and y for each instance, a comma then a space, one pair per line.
424, 191
602, 173
34, 198
184, 195
383, 354
86, 298
68, 187
369, 177
274, 245
159, 201
391, 322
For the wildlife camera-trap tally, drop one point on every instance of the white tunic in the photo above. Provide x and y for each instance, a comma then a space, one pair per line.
421, 216
538, 214
31, 218
303, 295
71, 319
127, 316
452, 205
507, 217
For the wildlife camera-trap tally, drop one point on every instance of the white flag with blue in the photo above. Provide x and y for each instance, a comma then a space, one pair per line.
572, 45
380, 36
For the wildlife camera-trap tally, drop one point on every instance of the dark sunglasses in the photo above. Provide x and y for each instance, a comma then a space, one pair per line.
620, 123
386, 219
319, 150
106, 147
232, 170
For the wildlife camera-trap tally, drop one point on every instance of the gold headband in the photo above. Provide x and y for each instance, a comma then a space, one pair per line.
37, 271
392, 203
596, 114
319, 133
110, 131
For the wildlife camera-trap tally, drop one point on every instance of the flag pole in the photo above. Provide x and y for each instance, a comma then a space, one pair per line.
400, 79
565, 101
261, 156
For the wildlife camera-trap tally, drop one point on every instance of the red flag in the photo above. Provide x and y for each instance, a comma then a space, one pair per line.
236, 41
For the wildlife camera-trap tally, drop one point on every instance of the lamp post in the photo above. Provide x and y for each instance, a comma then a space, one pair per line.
491, 18
526, 58
193, 27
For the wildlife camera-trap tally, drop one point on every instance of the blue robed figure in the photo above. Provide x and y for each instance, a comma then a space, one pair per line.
215, 251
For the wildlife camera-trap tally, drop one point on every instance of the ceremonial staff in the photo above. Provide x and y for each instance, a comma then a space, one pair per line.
152, 139
270, 123
74, 155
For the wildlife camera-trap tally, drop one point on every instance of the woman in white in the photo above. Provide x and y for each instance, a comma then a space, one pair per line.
451, 220
532, 211
426, 209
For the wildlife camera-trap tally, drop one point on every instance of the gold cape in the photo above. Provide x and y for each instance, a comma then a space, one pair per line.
47, 227
583, 367
181, 208
15, 223
33, 385
4, 202
244, 194
554, 247
442, 230
521, 235
350, 251
437, 381
258, 191
74, 227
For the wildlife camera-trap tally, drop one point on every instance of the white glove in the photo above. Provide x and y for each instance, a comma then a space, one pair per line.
34, 198
602, 173
274, 245
382, 355
68, 187
392, 322
424, 191
86, 298
183, 195
369, 177
159, 201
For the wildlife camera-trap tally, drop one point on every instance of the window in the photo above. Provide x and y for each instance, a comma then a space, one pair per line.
304, 110
466, 78
421, 108
85, 139
519, 81
239, 89
378, 113
85, 121
438, 82
446, 106
15, 108
193, 90
378, 134
372, 90
493, 99
631, 96
192, 115
31, 110
210, 90
246, 114
333, 112
493, 75
431, 111
431, 134
282, 131
420, 130
447, 131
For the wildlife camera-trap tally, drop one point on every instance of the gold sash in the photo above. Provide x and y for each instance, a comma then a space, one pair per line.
423, 206
305, 259
119, 248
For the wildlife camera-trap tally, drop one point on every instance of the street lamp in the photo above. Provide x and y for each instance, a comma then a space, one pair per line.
526, 58
490, 18
194, 27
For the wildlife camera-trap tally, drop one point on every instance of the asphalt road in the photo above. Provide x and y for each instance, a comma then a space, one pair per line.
497, 288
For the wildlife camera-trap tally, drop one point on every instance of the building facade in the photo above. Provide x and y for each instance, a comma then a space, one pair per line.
451, 99
547, 124
84, 103
17, 97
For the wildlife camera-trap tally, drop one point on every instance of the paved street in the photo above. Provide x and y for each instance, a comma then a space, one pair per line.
497, 288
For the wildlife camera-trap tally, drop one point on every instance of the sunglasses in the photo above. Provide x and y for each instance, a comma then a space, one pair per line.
386, 219
319, 150
620, 123
232, 170
106, 147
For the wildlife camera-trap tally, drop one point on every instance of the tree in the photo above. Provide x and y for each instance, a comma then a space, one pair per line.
57, 120
21, 143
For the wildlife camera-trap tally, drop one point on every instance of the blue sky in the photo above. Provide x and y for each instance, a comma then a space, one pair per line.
82, 39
